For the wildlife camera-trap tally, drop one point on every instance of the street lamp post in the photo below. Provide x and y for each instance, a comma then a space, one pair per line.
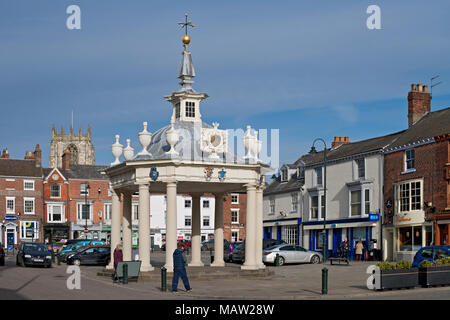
313, 150
86, 190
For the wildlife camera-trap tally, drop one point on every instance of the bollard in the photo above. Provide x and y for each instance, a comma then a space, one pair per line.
324, 281
163, 279
125, 274
277, 260
212, 257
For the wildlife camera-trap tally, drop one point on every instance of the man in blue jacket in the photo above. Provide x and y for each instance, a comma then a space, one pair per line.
179, 269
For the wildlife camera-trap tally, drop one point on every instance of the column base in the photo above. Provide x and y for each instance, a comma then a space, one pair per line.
254, 267
196, 264
147, 268
262, 266
218, 264
109, 267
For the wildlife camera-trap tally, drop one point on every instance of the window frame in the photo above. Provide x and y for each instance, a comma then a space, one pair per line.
34, 205
25, 183
189, 109
52, 190
237, 198
186, 201
294, 202
7, 209
409, 160
237, 216
398, 196
50, 213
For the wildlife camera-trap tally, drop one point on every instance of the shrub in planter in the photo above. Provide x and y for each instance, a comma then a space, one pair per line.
397, 275
434, 273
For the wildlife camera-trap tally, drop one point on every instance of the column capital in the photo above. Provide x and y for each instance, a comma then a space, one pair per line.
171, 182
250, 186
196, 194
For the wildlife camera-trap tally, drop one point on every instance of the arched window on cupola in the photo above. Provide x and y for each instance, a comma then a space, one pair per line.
73, 150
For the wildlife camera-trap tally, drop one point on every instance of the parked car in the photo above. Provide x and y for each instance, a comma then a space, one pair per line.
238, 255
33, 254
291, 254
208, 245
430, 253
91, 255
187, 243
272, 242
55, 247
232, 246
63, 254
2, 256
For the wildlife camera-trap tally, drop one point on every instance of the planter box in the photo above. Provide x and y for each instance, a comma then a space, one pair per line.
397, 279
434, 276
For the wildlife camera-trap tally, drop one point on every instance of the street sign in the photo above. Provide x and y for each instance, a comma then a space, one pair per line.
86, 230
374, 217
10, 218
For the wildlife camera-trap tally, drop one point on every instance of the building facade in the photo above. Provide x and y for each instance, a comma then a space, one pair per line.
21, 205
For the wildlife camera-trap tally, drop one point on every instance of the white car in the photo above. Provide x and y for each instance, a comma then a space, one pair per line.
289, 253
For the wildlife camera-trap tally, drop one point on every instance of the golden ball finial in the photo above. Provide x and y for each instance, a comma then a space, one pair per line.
186, 39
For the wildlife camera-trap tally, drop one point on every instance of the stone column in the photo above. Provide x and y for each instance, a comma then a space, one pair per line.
250, 230
259, 228
144, 227
218, 232
127, 233
196, 260
171, 224
115, 225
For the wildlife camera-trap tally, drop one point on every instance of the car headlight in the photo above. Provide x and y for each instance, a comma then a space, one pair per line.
48, 257
70, 256
27, 256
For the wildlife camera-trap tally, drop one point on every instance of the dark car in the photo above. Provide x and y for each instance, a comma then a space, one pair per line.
2, 256
208, 245
238, 255
186, 243
91, 255
431, 253
33, 254
232, 247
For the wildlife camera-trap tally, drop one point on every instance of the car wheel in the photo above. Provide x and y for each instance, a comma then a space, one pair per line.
77, 262
315, 259
49, 265
281, 261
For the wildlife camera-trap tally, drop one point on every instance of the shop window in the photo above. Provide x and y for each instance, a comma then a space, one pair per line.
410, 238
289, 234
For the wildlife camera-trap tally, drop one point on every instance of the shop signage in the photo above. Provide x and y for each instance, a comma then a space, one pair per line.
10, 218
374, 217
30, 233
403, 219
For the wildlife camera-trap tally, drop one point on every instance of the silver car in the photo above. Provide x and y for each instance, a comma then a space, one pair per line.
291, 254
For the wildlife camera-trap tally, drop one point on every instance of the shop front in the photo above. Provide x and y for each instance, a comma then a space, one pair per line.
288, 230
56, 232
94, 231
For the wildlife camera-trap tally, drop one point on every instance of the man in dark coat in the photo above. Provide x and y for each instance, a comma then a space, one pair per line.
118, 257
179, 269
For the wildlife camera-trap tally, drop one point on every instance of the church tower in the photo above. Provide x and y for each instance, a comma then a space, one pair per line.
79, 146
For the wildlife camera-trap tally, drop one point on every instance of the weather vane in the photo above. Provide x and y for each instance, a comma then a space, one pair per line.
186, 24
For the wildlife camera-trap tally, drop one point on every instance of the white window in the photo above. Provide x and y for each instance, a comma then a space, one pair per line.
187, 221
29, 230
55, 190
205, 203
234, 235
84, 189
367, 201
206, 221
408, 196
234, 199
355, 203
272, 206
289, 234
284, 175
84, 211
190, 109
28, 185
409, 159
28, 205
177, 110
134, 212
234, 216
187, 203
360, 169
294, 202
55, 213
108, 211
314, 207
318, 176
10, 204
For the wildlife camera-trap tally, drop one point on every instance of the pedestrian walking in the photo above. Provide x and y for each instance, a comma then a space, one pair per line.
359, 250
118, 257
179, 269
343, 248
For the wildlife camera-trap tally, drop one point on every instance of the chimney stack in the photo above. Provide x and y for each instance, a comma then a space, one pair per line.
37, 155
66, 159
5, 154
339, 141
419, 103
28, 155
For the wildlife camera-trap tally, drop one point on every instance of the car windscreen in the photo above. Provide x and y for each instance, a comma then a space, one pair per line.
34, 247
272, 247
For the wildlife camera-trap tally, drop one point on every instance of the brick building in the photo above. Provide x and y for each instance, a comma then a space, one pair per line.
234, 209
416, 187
21, 206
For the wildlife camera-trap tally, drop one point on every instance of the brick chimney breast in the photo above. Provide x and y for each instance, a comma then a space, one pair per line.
66, 159
339, 141
419, 103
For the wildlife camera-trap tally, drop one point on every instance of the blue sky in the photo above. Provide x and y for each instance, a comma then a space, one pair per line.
308, 68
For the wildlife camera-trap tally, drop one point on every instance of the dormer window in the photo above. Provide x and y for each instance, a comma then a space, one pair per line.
284, 175
190, 109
